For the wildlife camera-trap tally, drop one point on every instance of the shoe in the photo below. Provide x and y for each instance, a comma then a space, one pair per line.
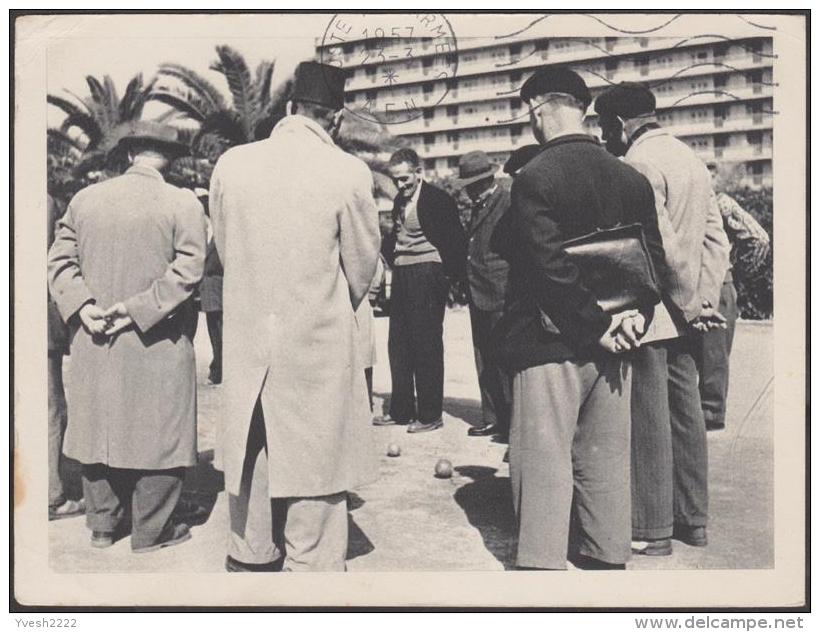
171, 535
715, 425
418, 426
235, 566
586, 563
387, 420
483, 431
68, 509
102, 539
506, 458
653, 548
693, 536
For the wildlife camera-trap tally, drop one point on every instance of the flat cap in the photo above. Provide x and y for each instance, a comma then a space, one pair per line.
556, 79
322, 84
627, 100
521, 157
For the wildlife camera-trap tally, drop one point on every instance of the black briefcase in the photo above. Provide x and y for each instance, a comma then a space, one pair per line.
616, 267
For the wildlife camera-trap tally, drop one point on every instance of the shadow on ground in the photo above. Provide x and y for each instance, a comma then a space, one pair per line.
487, 504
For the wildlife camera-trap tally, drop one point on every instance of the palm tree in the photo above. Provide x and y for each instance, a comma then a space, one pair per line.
92, 127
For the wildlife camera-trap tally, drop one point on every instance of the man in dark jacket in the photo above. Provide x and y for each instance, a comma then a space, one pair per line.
487, 275
427, 245
570, 415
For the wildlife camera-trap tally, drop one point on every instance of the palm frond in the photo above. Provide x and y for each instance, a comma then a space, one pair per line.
65, 105
227, 125
206, 91
130, 107
188, 105
233, 66
87, 124
60, 137
264, 76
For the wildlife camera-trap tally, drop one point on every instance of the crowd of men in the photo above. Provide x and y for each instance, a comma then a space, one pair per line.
605, 413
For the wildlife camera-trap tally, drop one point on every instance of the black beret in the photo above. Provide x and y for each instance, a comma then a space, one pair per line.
322, 84
627, 100
521, 157
556, 79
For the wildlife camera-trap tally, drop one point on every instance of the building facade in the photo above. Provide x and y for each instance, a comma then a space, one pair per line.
714, 93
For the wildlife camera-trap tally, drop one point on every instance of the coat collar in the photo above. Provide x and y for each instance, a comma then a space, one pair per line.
487, 205
296, 122
570, 138
653, 133
143, 170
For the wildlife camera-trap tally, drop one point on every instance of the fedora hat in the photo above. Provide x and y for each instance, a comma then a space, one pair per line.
152, 133
474, 166
322, 84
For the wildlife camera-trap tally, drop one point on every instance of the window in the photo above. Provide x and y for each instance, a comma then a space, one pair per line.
429, 113
470, 109
370, 70
452, 162
429, 139
452, 137
515, 49
469, 57
347, 48
370, 95
754, 138
427, 88
515, 103
452, 110
719, 81
429, 164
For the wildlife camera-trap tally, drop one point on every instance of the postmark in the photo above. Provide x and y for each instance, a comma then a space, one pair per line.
399, 64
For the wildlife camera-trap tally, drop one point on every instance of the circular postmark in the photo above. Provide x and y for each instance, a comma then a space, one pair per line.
399, 64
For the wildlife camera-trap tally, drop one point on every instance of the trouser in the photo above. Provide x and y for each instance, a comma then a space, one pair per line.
669, 455
414, 345
57, 420
368, 378
713, 359
494, 382
309, 533
569, 444
214, 322
152, 495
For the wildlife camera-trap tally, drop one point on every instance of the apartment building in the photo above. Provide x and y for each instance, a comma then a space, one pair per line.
714, 93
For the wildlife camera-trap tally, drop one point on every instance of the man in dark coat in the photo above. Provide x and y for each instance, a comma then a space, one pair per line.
210, 297
426, 247
569, 431
487, 275
127, 256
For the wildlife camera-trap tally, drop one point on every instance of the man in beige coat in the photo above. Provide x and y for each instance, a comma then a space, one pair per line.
296, 227
127, 256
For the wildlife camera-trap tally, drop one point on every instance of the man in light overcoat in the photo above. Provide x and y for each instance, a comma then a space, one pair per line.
127, 256
296, 228
669, 453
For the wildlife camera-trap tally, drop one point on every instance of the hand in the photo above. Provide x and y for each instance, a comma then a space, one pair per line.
93, 319
708, 319
117, 319
631, 330
614, 339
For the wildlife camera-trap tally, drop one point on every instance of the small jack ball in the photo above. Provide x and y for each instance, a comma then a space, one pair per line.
444, 469
393, 450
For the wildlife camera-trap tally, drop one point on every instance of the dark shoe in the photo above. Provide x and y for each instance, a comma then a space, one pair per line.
506, 458
102, 539
715, 425
654, 548
418, 426
235, 566
67, 509
484, 431
585, 563
387, 420
693, 536
172, 534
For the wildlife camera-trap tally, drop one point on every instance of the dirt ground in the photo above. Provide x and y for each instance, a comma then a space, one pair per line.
410, 520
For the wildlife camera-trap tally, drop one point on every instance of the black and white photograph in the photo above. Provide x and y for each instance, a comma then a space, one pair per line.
398, 298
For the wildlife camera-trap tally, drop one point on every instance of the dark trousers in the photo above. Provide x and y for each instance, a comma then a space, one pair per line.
214, 321
669, 457
415, 345
713, 360
151, 494
57, 420
494, 382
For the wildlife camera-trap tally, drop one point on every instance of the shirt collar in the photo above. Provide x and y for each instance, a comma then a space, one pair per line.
297, 121
145, 170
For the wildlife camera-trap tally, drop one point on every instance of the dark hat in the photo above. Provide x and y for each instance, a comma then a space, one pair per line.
556, 79
627, 100
474, 166
521, 157
321, 84
153, 133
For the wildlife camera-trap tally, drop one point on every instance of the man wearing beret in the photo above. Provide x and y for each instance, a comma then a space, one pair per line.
426, 247
570, 415
487, 273
126, 259
669, 459
296, 228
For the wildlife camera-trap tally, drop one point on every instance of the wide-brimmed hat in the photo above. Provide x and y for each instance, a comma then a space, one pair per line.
162, 136
474, 166
322, 84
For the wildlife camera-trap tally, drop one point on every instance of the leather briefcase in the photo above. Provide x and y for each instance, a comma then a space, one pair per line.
616, 267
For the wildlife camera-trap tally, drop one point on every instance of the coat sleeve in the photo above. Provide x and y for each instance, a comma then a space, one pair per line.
678, 267
445, 232
359, 236
555, 281
65, 277
183, 273
715, 259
